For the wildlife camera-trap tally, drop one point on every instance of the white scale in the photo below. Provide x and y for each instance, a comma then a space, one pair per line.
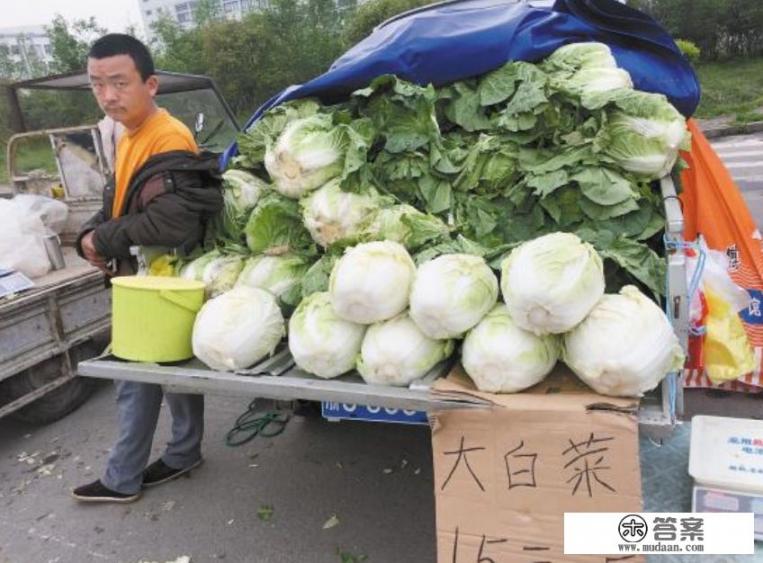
726, 462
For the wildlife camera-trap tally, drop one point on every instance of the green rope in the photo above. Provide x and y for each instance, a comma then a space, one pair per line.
252, 424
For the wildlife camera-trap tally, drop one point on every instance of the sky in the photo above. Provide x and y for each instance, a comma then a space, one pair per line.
115, 15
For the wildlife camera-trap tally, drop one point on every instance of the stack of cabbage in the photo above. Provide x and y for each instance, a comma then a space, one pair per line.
381, 220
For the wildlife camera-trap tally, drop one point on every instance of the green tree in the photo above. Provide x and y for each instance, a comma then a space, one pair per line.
251, 60
234, 56
720, 28
175, 48
9, 69
207, 11
70, 42
300, 41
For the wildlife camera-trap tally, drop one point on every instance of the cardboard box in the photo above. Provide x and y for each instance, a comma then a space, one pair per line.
505, 475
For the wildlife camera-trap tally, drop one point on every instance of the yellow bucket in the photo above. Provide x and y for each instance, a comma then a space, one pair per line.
152, 317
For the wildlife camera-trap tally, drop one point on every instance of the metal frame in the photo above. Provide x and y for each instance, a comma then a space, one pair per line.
678, 299
169, 83
16, 180
261, 381
660, 412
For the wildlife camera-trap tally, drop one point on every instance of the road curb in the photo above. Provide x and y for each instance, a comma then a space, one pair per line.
728, 130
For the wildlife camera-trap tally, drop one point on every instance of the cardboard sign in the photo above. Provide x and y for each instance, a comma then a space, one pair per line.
505, 475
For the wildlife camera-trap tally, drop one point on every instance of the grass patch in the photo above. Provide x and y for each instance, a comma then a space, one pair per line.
33, 154
733, 88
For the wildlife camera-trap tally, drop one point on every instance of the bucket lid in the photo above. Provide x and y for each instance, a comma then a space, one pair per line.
727, 453
157, 282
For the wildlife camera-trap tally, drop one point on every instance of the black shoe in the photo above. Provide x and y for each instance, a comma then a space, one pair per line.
98, 492
159, 472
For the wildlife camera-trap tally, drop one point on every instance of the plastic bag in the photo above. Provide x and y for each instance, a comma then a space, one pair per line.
155, 260
727, 351
25, 221
51, 212
719, 334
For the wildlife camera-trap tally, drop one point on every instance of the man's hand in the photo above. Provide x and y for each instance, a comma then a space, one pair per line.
91, 254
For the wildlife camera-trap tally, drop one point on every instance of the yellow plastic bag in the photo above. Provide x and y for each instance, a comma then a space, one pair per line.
163, 266
727, 351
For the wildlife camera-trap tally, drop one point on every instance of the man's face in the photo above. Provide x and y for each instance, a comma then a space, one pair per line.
121, 92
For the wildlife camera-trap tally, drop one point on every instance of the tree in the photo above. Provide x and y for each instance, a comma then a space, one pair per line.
207, 11
720, 28
300, 40
234, 56
9, 69
70, 43
175, 48
251, 60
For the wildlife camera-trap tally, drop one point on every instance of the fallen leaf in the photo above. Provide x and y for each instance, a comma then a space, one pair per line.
169, 505
265, 512
403, 464
347, 557
331, 522
387, 471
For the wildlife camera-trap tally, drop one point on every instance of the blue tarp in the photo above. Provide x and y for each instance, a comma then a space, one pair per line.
457, 40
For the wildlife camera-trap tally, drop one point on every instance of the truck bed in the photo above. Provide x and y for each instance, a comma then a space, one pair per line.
66, 307
278, 378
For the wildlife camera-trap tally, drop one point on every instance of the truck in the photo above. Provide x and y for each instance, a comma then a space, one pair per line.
46, 330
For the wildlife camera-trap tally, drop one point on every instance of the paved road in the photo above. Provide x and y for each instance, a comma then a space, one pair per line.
743, 156
376, 478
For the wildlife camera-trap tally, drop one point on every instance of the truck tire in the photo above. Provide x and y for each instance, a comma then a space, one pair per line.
62, 400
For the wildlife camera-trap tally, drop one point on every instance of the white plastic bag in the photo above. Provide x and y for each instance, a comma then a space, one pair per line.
51, 212
25, 221
715, 277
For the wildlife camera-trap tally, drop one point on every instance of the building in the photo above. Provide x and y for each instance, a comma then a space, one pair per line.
182, 11
28, 46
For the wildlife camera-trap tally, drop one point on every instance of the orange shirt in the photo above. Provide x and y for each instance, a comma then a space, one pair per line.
159, 133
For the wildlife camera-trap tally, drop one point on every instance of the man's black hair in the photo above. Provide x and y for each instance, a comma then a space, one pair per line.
115, 44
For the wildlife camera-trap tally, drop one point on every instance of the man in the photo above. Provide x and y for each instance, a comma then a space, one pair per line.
163, 194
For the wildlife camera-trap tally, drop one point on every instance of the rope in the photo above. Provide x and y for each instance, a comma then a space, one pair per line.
252, 423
